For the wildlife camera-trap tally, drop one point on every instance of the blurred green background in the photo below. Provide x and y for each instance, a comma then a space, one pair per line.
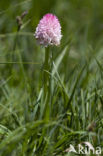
81, 20
82, 25
82, 30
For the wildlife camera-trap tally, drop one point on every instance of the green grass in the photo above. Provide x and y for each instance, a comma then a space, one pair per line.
29, 126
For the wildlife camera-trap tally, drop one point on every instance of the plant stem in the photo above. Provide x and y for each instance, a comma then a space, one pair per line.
46, 69
47, 82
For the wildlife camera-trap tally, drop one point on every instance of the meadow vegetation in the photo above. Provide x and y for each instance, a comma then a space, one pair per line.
75, 108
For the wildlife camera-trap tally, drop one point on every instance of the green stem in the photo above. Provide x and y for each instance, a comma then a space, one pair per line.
46, 69
47, 82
